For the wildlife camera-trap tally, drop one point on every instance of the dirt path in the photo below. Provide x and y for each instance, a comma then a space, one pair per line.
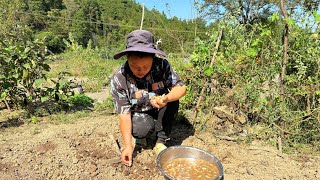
83, 151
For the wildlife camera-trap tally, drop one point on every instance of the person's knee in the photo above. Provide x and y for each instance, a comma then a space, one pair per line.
141, 127
141, 131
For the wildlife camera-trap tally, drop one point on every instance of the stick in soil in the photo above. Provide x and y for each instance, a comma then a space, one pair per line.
115, 144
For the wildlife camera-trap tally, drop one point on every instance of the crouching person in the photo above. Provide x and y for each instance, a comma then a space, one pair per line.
146, 93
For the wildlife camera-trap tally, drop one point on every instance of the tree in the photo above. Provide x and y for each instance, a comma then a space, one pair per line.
80, 27
247, 11
250, 11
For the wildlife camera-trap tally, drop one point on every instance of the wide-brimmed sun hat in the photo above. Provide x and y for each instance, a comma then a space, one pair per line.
141, 41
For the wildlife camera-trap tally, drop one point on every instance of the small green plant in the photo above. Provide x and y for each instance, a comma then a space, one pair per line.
34, 119
80, 101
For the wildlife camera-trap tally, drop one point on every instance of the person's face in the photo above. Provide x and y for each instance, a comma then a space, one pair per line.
140, 66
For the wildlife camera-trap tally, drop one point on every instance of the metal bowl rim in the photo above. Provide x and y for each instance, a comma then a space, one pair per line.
187, 147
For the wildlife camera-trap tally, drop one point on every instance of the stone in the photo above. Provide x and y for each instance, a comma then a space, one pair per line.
242, 117
75, 161
224, 112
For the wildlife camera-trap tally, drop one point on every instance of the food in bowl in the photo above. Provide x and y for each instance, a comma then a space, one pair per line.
190, 168
187, 162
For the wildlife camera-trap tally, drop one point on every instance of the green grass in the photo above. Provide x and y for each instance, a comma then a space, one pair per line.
66, 118
105, 106
88, 66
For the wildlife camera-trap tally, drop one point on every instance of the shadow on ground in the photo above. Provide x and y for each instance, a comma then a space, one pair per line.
12, 122
181, 130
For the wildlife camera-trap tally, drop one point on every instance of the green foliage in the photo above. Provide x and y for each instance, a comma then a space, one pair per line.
81, 29
23, 71
246, 12
34, 119
61, 97
53, 42
248, 64
21, 66
80, 100
251, 12
103, 22
106, 105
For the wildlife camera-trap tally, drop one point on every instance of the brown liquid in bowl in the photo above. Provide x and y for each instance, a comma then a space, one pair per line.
189, 168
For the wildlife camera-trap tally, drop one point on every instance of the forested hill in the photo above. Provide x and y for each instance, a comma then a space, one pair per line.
105, 23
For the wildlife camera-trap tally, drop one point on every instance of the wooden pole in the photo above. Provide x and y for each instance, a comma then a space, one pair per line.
284, 64
142, 17
285, 46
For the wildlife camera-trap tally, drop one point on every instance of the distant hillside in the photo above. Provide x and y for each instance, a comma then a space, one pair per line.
104, 22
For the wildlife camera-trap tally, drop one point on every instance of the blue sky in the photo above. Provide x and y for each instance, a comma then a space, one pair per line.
183, 9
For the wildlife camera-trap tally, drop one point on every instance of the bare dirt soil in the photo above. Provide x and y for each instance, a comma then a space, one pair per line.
84, 150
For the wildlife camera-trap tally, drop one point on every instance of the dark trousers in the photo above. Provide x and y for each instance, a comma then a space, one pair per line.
158, 121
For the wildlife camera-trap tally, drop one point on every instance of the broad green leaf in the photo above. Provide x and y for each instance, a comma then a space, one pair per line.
209, 71
34, 119
27, 49
27, 66
290, 22
3, 95
63, 97
266, 32
316, 16
256, 42
274, 17
15, 76
251, 52
187, 65
25, 74
7, 60
38, 82
44, 98
2, 76
33, 63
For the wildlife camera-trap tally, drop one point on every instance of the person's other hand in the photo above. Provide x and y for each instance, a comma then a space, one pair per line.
126, 156
159, 101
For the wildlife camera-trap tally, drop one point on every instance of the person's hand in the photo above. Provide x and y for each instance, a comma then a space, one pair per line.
126, 155
159, 101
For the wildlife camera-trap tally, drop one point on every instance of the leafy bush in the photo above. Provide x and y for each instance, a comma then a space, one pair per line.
22, 73
80, 101
22, 65
246, 76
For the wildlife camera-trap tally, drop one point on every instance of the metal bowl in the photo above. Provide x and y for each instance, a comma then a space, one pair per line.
174, 152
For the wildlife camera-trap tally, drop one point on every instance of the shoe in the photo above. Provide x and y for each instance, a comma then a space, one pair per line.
159, 147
